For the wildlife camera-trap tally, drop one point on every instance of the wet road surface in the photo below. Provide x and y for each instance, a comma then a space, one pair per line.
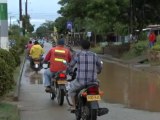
35, 104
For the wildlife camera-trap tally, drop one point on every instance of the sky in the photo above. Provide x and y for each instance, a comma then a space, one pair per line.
39, 10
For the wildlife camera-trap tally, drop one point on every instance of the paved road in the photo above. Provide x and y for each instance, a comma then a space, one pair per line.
35, 104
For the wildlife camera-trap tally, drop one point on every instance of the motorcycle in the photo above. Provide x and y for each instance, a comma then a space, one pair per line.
87, 106
36, 65
58, 87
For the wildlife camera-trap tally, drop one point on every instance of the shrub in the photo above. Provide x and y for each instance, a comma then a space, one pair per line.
20, 43
139, 47
156, 47
6, 78
15, 53
8, 58
143, 36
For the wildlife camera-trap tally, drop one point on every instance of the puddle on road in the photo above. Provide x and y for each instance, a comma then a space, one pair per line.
33, 77
36, 78
133, 88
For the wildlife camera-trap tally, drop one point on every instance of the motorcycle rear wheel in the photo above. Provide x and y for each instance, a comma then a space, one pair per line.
88, 114
93, 114
60, 96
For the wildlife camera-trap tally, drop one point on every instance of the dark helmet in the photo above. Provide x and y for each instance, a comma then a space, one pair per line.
36, 42
61, 36
30, 42
60, 42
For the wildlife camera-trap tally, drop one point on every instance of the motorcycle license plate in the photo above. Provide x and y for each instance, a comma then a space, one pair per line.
61, 82
93, 97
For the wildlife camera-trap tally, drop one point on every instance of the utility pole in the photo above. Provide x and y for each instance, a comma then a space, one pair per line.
3, 25
26, 7
20, 17
131, 16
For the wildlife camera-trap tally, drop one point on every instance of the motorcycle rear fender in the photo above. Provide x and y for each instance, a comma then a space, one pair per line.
94, 105
62, 87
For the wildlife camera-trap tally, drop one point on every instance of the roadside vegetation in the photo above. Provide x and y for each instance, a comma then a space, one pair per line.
10, 62
138, 48
8, 112
141, 48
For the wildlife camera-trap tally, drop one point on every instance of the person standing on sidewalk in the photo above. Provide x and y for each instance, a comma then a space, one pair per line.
152, 39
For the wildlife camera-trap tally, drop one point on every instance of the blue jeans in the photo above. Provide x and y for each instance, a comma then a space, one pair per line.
47, 77
151, 44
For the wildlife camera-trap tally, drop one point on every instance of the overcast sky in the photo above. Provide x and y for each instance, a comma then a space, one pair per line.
39, 10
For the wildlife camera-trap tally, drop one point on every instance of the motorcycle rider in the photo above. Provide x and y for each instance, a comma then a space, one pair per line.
88, 66
28, 47
36, 52
55, 56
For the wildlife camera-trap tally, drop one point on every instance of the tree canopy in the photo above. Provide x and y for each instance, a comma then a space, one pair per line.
102, 16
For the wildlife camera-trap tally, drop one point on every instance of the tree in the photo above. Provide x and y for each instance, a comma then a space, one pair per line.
14, 30
45, 29
60, 24
100, 16
27, 26
42, 31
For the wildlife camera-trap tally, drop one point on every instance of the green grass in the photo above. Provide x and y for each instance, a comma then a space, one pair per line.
97, 49
129, 55
8, 112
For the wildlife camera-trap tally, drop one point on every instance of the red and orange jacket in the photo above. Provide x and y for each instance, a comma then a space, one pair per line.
55, 57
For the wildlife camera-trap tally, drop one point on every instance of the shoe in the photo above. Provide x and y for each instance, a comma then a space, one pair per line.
48, 89
102, 111
72, 110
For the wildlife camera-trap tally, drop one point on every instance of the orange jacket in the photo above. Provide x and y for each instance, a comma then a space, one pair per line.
55, 55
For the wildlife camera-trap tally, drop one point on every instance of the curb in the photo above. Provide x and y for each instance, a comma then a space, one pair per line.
16, 93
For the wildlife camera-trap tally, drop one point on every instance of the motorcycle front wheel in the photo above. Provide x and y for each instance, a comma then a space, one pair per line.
52, 95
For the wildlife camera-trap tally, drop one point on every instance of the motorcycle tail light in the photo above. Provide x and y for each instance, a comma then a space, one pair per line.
62, 75
93, 90
84, 94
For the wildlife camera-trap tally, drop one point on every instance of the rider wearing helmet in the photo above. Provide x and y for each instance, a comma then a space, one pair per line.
36, 52
55, 56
